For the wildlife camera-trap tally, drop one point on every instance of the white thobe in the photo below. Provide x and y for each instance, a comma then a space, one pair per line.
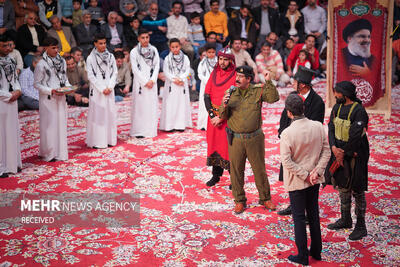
204, 74
144, 100
176, 110
102, 115
10, 150
52, 112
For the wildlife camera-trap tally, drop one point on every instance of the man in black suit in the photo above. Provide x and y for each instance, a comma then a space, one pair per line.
314, 109
114, 32
235, 26
266, 21
84, 33
25, 43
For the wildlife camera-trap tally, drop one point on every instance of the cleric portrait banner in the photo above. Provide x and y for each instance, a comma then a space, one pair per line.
358, 37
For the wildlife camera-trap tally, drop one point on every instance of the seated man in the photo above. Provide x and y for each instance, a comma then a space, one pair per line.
84, 33
30, 38
114, 32
78, 77
30, 96
216, 21
7, 21
63, 34
313, 54
269, 60
242, 57
124, 78
156, 23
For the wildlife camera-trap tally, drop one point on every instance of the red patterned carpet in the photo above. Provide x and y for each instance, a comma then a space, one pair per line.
184, 223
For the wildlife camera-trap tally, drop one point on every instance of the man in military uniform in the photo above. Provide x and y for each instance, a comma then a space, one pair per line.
314, 109
348, 166
242, 109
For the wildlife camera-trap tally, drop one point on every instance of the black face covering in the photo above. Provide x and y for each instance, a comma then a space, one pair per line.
340, 100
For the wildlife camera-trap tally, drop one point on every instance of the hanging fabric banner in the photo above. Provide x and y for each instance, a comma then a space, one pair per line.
359, 50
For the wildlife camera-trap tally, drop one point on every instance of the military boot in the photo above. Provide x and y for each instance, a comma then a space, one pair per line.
342, 223
215, 179
360, 230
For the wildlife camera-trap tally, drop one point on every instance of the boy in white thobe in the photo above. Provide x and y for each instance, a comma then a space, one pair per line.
51, 74
102, 115
145, 66
204, 70
176, 110
10, 91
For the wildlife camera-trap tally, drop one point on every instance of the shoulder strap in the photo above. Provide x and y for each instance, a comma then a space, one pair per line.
351, 110
338, 113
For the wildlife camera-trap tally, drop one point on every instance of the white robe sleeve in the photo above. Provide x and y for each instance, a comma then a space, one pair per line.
91, 68
39, 77
5, 95
166, 69
113, 79
186, 67
201, 71
135, 69
154, 77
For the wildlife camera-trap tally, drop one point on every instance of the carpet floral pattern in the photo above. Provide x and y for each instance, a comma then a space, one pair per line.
184, 223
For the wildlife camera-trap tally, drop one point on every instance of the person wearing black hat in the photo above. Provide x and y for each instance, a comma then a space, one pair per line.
314, 109
357, 54
347, 169
241, 107
10, 91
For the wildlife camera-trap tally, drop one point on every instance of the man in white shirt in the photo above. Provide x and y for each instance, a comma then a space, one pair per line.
242, 57
177, 27
315, 21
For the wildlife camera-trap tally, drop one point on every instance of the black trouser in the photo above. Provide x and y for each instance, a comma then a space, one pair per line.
301, 201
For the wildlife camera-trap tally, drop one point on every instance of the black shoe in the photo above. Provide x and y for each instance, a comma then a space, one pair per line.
230, 187
180, 130
110, 146
53, 160
298, 260
340, 224
140, 136
286, 211
4, 175
19, 169
213, 181
358, 233
315, 256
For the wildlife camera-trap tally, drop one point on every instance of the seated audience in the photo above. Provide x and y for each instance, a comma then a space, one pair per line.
315, 22
16, 56
48, 9
63, 34
128, 9
177, 27
84, 33
30, 96
196, 35
131, 32
216, 21
22, 8
7, 21
77, 14
241, 24
309, 45
96, 12
269, 60
156, 23
76, 53
242, 57
293, 23
124, 78
114, 32
66, 12
285, 51
77, 77
212, 39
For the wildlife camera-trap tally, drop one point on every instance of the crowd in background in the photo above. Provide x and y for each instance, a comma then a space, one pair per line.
268, 35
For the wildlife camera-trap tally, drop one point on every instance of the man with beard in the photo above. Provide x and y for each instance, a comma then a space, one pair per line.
357, 54
347, 169
221, 79
314, 109
242, 109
